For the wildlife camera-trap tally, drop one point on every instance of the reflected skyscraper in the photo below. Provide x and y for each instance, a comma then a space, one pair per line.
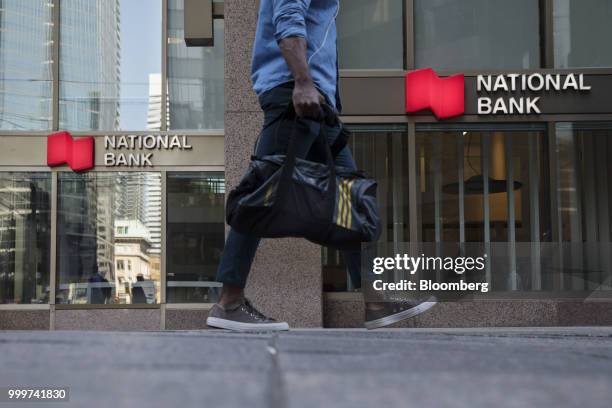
26, 61
195, 76
155, 102
90, 64
86, 235
139, 199
25, 225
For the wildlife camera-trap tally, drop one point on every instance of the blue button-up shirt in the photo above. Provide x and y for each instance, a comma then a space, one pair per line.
314, 20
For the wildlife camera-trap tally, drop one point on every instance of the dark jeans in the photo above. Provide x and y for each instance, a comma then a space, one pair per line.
239, 248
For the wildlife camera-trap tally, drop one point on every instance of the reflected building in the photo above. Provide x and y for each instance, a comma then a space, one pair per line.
90, 64
101, 219
152, 218
132, 260
86, 236
26, 60
130, 204
139, 199
195, 76
25, 226
155, 102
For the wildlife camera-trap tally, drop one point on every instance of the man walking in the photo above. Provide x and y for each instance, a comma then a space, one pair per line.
294, 62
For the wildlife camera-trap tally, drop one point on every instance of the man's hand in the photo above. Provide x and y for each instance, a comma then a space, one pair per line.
307, 101
306, 98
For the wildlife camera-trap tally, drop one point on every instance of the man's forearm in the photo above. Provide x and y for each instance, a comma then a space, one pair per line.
306, 99
294, 52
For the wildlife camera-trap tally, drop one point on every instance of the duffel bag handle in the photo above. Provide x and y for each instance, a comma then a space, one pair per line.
330, 117
329, 114
290, 158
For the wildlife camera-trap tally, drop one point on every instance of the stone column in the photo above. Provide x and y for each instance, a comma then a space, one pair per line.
285, 281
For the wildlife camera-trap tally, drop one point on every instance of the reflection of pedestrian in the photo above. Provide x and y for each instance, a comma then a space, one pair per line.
101, 292
138, 295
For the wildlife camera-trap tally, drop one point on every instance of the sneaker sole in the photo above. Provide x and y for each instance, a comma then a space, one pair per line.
405, 314
239, 326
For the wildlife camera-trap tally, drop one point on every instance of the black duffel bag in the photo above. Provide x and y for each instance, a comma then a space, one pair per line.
284, 196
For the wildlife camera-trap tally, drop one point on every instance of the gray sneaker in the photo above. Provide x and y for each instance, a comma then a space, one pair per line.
395, 310
242, 317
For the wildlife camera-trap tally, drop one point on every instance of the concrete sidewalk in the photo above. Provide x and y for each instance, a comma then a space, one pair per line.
556, 367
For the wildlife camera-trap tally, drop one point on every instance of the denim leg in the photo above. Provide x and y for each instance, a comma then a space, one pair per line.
345, 159
238, 255
240, 249
353, 265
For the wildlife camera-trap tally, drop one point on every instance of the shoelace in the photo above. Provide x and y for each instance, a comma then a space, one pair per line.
250, 309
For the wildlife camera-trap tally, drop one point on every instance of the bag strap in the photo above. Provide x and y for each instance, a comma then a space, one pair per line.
331, 118
289, 166
341, 141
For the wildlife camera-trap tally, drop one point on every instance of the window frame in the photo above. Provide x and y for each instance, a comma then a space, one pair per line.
370, 112
218, 13
547, 48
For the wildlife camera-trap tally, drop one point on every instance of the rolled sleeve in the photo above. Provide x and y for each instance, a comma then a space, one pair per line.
289, 18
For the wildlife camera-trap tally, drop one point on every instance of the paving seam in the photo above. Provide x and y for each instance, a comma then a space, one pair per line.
277, 390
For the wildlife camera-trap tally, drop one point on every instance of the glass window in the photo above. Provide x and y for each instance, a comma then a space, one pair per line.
380, 151
195, 76
108, 219
453, 167
196, 234
110, 65
582, 33
477, 34
585, 185
540, 207
486, 184
371, 34
25, 229
26, 60
584, 208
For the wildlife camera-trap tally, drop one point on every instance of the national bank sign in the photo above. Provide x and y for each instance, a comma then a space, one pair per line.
119, 150
62, 149
502, 94
509, 84
138, 150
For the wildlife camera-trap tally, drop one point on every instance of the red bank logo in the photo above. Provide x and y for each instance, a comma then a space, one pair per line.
425, 90
63, 149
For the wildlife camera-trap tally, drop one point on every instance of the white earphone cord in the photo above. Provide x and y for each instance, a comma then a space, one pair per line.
326, 34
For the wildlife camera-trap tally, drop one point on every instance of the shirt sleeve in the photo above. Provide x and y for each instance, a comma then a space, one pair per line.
289, 18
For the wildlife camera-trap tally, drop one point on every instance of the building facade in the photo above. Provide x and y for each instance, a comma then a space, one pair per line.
133, 243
